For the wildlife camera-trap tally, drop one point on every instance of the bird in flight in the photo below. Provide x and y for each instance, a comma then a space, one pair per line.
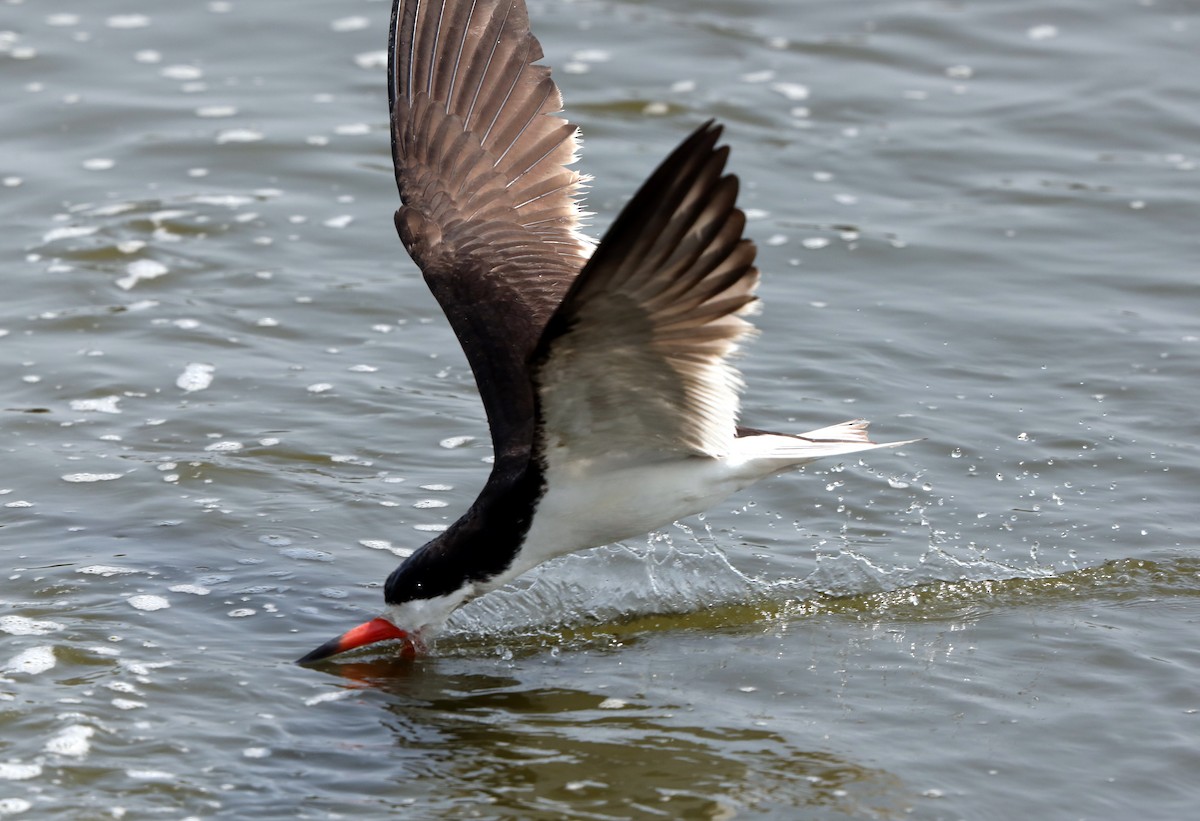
604, 368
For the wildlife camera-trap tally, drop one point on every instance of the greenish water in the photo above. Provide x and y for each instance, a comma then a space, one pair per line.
227, 392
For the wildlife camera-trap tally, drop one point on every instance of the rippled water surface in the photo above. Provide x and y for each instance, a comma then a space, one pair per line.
229, 402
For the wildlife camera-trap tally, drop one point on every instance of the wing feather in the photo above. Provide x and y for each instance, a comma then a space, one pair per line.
490, 210
637, 357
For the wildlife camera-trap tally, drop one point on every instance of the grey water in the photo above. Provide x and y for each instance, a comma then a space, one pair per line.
229, 404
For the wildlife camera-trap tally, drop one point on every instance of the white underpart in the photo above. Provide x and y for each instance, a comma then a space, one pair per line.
596, 501
424, 617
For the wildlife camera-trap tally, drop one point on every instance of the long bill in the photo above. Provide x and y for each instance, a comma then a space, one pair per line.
375, 630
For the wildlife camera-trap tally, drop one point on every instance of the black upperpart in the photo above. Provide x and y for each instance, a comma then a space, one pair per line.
489, 210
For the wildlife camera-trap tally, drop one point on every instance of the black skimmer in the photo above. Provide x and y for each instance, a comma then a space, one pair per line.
604, 368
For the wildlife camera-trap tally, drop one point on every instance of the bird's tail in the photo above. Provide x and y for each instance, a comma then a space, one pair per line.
785, 451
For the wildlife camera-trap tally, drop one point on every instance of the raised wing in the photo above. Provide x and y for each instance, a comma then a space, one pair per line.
636, 359
489, 209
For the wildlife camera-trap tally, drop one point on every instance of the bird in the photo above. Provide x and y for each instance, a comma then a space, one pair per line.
605, 367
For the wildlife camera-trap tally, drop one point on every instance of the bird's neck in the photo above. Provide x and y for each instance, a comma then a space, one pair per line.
477, 550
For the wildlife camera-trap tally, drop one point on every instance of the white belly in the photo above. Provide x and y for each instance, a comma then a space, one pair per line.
589, 505
592, 502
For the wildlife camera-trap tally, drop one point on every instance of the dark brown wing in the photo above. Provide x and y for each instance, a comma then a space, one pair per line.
489, 209
636, 359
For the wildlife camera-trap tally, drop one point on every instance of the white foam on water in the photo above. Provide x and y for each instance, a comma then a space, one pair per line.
196, 376
792, 91
356, 23
84, 478
13, 806
592, 55
69, 232
306, 554
105, 404
227, 200
22, 626
74, 740
371, 59
144, 668
216, 111
148, 602
383, 544
127, 21
112, 209
346, 459
193, 589
239, 135
106, 570
19, 771
32, 661
140, 270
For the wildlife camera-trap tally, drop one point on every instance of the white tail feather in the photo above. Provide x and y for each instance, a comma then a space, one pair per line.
785, 452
